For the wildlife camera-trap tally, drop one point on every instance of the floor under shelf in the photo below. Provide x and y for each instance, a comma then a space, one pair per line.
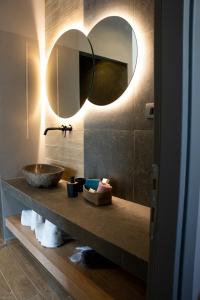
81, 282
23, 277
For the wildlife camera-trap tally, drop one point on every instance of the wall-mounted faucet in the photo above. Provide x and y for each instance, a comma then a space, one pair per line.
63, 128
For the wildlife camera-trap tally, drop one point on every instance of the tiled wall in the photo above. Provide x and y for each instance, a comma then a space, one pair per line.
116, 142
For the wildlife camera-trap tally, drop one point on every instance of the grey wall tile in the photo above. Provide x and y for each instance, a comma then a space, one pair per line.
143, 158
146, 92
108, 153
120, 117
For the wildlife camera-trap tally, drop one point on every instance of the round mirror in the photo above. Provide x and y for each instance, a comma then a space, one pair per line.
115, 52
66, 90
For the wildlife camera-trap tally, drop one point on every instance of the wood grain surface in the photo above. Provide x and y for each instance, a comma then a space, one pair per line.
81, 282
22, 277
123, 224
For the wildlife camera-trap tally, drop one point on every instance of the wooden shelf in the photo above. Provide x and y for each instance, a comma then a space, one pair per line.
81, 282
119, 232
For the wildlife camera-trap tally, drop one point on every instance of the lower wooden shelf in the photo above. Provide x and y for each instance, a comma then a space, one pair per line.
81, 282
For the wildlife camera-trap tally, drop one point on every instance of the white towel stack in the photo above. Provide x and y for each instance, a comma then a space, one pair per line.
46, 232
39, 231
51, 235
36, 219
26, 217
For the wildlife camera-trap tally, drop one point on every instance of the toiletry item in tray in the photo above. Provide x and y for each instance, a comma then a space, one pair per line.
80, 181
92, 183
72, 187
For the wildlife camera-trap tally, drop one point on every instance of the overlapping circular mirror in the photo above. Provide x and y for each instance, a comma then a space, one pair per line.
98, 67
115, 54
65, 92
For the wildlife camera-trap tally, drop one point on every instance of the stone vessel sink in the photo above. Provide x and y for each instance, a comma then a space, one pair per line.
42, 175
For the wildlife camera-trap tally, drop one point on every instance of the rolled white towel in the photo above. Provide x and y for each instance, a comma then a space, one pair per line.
26, 217
51, 235
36, 219
39, 231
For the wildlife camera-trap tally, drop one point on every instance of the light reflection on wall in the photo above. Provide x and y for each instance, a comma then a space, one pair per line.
39, 16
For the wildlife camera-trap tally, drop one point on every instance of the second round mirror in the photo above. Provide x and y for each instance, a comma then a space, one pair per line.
115, 52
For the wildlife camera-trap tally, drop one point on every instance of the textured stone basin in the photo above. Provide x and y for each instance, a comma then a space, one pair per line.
42, 175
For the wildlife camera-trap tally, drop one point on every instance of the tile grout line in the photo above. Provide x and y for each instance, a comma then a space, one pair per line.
11, 290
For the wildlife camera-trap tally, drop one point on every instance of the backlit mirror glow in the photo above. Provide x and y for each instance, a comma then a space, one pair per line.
98, 67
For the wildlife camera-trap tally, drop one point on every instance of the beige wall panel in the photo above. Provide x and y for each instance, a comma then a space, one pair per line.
59, 14
19, 118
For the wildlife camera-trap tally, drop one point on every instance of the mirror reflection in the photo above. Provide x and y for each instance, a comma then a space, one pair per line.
65, 92
115, 52
99, 67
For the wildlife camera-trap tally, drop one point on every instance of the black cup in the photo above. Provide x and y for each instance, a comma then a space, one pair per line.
72, 189
80, 183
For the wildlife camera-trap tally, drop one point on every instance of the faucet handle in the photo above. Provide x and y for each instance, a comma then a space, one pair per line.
66, 128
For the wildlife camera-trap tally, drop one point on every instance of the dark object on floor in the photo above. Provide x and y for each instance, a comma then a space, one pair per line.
92, 259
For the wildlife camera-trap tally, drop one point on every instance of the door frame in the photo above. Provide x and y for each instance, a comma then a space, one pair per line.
189, 282
176, 144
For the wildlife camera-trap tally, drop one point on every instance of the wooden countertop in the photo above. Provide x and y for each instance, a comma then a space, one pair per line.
119, 231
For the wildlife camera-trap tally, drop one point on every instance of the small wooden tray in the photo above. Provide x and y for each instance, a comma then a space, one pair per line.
98, 199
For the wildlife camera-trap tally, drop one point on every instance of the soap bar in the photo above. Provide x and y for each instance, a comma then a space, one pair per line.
105, 180
92, 183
